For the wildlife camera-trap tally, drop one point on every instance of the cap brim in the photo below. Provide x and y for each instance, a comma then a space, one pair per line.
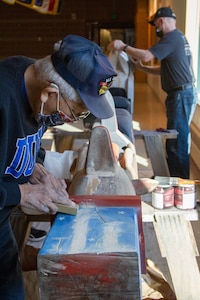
151, 22
98, 106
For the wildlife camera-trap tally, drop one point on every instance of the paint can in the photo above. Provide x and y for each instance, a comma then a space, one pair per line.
163, 196
185, 196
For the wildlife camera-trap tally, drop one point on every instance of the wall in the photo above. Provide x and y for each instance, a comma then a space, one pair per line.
24, 31
141, 33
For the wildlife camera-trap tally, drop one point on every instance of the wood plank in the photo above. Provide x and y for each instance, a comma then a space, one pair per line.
180, 250
196, 229
168, 134
152, 251
156, 153
148, 211
154, 144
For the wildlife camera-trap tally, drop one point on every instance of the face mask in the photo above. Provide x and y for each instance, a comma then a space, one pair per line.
159, 33
56, 118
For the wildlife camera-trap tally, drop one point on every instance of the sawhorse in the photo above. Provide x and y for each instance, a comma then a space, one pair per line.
154, 141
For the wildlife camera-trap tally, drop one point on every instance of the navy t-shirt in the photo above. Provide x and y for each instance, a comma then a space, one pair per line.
173, 51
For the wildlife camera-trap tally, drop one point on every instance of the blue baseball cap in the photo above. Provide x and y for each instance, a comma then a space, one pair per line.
83, 65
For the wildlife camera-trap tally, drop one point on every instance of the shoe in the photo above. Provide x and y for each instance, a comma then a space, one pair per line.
37, 235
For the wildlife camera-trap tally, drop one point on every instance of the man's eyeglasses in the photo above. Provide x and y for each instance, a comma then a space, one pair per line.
59, 117
78, 117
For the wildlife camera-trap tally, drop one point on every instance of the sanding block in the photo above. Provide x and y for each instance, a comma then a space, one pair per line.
71, 210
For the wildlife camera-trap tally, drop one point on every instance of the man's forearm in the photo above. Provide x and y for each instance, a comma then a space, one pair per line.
155, 70
140, 54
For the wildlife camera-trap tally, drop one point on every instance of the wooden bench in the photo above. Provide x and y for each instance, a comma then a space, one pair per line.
154, 143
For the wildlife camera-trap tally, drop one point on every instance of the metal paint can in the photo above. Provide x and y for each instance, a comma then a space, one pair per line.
163, 196
185, 196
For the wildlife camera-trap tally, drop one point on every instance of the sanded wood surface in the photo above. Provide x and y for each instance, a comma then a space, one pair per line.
172, 242
178, 245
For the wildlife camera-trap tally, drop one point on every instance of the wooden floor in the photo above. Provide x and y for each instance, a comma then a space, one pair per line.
149, 114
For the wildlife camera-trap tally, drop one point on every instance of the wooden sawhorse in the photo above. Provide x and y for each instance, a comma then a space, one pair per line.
154, 143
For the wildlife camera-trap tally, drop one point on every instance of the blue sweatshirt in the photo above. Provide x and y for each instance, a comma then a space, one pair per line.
20, 135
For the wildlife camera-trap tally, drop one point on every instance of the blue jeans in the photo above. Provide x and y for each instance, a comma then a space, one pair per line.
180, 106
11, 279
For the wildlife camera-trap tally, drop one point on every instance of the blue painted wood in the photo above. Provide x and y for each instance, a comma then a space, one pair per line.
92, 255
94, 230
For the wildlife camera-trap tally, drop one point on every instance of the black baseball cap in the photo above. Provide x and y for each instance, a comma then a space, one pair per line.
163, 12
84, 66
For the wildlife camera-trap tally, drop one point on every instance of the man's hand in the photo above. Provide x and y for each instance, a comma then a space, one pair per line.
137, 63
43, 191
40, 174
116, 45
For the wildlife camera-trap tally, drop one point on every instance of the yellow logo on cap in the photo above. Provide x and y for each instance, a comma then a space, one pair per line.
105, 85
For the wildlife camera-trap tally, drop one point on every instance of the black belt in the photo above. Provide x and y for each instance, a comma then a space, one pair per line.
182, 87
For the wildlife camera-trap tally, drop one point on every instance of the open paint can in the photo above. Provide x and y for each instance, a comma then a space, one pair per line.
163, 196
185, 196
